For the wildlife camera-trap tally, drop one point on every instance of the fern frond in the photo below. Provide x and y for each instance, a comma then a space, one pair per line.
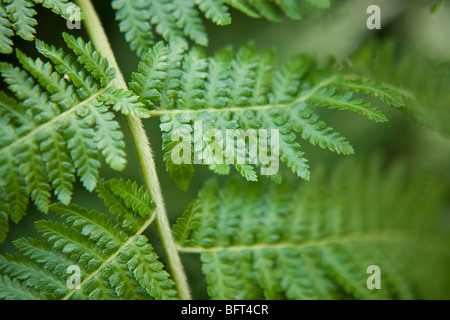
244, 92
151, 74
91, 59
6, 31
62, 8
57, 125
125, 102
17, 17
317, 241
412, 69
176, 19
115, 262
179, 127
332, 100
12, 289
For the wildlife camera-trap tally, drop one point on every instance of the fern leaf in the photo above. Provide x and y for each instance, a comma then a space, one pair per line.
151, 73
66, 65
6, 32
59, 91
147, 270
91, 60
187, 17
60, 7
83, 151
118, 208
290, 7
108, 137
175, 19
216, 11
175, 129
125, 102
284, 242
345, 102
58, 125
4, 223
17, 17
115, 262
135, 23
14, 290
266, 9
13, 186
21, 14
413, 70
237, 96
311, 128
134, 197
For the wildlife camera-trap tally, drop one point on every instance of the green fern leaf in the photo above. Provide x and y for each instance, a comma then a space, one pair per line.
57, 125
125, 102
21, 14
6, 32
14, 290
17, 17
116, 262
135, 23
60, 7
91, 60
134, 197
176, 19
151, 74
329, 99
317, 241
240, 95
413, 70
66, 65
214, 10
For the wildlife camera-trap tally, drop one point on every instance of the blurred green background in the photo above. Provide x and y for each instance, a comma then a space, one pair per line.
337, 32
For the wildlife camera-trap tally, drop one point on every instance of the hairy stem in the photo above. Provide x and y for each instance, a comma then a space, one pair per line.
144, 152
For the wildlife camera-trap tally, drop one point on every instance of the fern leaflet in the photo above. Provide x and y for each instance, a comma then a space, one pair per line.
56, 124
17, 17
176, 19
316, 241
428, 78
115, 259
241, 93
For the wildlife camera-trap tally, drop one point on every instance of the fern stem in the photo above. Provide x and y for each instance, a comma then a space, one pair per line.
144, 152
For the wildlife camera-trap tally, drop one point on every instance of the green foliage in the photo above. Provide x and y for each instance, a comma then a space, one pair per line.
55, 126
176, 19
115, 259
317, 240
17, 17
429, 79
256, 239
247, 91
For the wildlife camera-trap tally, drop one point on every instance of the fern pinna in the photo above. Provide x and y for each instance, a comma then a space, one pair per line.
246, 91
256, 241
115, 259
56, 124
317, 240
17, 17
180, 19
